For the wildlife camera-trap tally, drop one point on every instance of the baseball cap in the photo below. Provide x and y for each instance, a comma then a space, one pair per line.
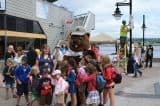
56, 72
79, 30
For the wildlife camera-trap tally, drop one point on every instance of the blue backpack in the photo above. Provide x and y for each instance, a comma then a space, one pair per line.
101, 82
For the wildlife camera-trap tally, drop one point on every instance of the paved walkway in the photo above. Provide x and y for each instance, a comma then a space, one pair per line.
144, 91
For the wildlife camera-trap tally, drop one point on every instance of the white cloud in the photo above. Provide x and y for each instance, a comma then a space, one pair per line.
103, 9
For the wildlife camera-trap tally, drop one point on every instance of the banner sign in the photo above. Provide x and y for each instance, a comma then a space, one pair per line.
2, 5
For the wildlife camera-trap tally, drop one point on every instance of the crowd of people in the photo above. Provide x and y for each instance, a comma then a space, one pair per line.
55, 80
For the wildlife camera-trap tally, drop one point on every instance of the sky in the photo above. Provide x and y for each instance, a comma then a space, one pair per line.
106, 23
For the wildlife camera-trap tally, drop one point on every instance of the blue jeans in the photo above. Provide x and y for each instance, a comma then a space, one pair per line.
136, 69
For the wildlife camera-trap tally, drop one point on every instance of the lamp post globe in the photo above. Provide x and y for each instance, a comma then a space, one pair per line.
117, 14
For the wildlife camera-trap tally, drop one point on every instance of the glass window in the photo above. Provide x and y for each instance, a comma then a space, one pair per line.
21, 25
37, 28
11, 23
29, 26
42, 9
1, 21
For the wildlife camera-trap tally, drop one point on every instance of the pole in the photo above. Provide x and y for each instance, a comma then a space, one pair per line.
5, 36
143, 27
130, 13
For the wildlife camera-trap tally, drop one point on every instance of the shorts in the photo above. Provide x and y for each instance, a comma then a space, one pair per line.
60, 98
22, 88
9, 85
46, 99
93, 98
35, 96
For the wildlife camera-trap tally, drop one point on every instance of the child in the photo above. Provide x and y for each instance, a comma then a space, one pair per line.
9, 78
93, 98
22, 76
61, 87
71, 78
45, 88
35, 78
107, 74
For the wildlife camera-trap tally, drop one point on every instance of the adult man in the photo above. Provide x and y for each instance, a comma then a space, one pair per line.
149, 56
10, 52
123, 33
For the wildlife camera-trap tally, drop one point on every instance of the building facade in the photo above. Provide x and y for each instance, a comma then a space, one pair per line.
32, 22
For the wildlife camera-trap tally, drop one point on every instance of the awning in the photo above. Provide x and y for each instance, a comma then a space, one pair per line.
22, 34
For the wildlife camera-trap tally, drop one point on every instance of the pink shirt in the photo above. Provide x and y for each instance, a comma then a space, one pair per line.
61, 86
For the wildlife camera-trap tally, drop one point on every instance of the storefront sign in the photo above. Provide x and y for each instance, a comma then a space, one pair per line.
2, 5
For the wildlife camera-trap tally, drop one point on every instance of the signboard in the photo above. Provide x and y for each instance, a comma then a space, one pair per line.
69, 23
2, 5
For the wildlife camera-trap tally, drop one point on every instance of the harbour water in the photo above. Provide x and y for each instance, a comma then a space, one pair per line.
110, 49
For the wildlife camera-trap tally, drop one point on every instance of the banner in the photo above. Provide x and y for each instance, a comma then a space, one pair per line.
2, 5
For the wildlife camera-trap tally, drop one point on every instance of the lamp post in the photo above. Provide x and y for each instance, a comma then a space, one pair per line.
143, 28
117, 14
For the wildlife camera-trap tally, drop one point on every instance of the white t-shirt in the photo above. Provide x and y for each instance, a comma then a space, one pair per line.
18, 59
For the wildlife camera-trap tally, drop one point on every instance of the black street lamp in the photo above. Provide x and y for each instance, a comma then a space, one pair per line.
117, 14
143, 28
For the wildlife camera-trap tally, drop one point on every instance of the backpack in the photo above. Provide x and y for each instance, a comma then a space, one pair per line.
100, 82
117, 76
46, 88
150, 52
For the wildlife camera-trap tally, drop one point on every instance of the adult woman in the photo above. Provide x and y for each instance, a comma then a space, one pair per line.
46, 59
107, 73
19, 55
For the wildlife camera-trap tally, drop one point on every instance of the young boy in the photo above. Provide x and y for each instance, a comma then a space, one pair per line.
22, 78
9, 79
35, 78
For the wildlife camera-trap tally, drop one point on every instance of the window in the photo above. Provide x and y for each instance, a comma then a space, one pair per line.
21, 25
11, 23
37, 28
42, 9
1, 21
29, 26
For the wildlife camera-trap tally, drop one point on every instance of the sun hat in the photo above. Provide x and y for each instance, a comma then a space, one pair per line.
79, 30
56, 72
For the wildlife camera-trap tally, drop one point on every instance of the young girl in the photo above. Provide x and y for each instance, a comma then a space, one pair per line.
45, 88
93, 98
9, 77
107, 74
61, 87
35, 78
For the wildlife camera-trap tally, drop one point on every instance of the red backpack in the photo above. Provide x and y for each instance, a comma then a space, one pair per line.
116, 75
46, 88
